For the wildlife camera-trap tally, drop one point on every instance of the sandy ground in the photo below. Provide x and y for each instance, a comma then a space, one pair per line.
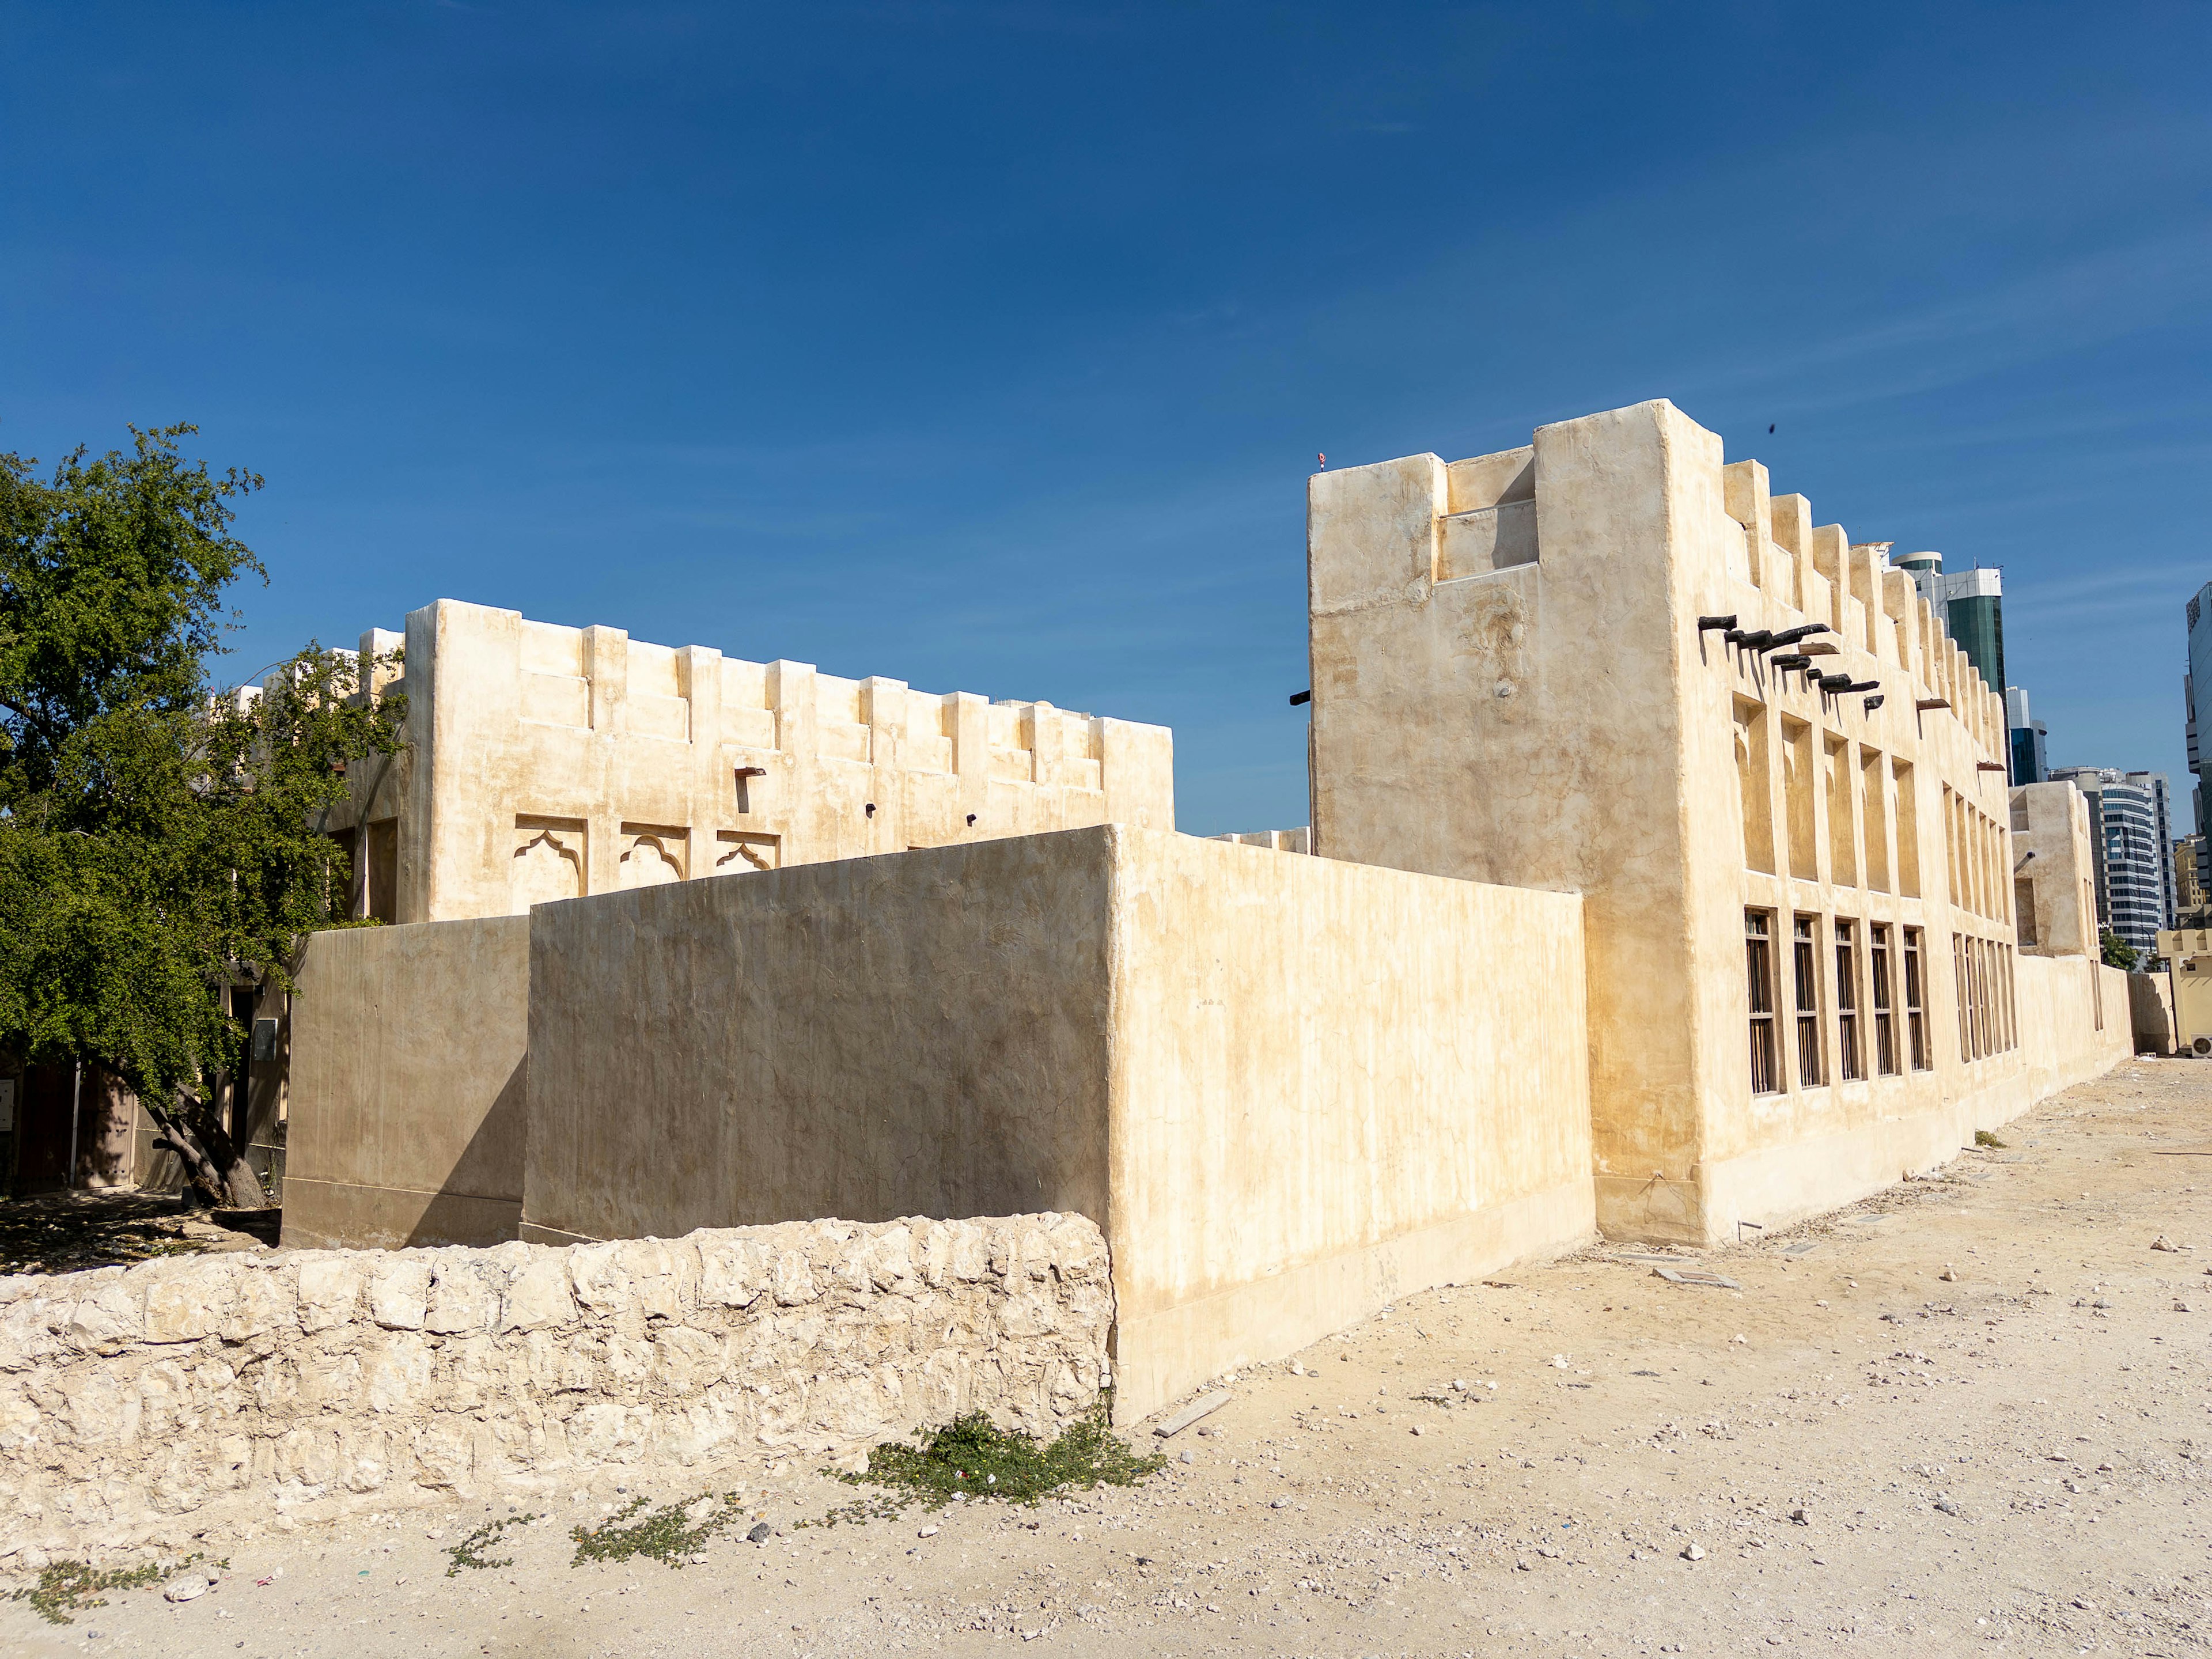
1852, 1452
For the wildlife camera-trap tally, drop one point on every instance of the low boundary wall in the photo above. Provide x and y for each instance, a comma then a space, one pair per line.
139, 1404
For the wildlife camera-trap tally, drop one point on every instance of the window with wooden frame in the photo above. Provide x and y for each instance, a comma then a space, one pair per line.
1805, 977
1758, 966
1848, 1066
1915, 1019
1885, 1023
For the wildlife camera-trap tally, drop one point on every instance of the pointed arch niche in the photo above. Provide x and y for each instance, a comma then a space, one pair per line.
651, 854
547, 863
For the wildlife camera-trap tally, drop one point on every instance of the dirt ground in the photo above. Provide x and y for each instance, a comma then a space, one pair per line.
1855, 1451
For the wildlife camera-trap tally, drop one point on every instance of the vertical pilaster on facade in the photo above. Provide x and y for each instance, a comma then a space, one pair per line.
714, 790
606, 665
1041, 726
1830, 546
1747, 496
884, 712
1899, 596
1790, 521
791, 695
971, 759
476, 692
1865, 565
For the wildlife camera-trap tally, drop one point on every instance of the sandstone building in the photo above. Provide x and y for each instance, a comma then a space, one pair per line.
1612, 662
1668, 880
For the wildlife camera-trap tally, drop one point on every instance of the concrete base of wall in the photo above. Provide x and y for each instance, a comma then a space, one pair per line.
322, 1215
1167, 1354
531, 1233
1778, 1185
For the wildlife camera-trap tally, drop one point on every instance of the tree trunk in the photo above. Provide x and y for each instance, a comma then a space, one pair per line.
213, 1165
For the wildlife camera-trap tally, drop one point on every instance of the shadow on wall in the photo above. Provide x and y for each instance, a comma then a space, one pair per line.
470, 1208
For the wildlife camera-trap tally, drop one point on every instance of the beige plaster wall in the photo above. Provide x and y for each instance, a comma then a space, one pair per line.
1289, 1090
1331, 1084
2052, 821
547, 762
921, 1035
1510, 684
2190, 982
408, 1088
147, 1405
2150, 1008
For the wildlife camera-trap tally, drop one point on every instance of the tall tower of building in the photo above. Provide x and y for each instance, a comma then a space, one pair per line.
1971, 604
2029, 762
2199, 675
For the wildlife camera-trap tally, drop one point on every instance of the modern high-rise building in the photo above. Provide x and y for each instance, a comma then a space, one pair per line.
2199, 719
1971, 604
2029, 762
2131, 836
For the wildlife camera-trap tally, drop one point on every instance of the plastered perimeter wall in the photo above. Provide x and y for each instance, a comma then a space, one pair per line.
410, 1108
1289, 1090
142, 1405
1333, 1084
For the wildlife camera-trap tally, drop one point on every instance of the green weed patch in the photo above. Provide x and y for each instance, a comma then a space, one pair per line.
972, 1458
68, 1587
668, 1534
470, 1552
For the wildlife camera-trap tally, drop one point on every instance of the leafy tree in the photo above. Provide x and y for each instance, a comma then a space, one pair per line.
161, 839
2118, 953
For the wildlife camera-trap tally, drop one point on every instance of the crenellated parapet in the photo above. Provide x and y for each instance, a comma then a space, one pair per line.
547, 762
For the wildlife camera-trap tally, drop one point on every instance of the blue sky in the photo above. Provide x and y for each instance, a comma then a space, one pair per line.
989, 346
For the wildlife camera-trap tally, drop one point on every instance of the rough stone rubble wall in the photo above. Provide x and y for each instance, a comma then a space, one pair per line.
137, 1404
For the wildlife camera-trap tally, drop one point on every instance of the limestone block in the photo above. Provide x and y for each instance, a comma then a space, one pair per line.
656, 1285
1027, 1313
732, 1269
364, 1459
595, 1278
460, 1300
443, 1454
329, 1289
233, 1460
20, 1419
395, 1373
184, 1307
889, 1259
399, 1291
268, 1302
791, 1280
104, 1321
970, 1257
539, 1294
1075, 1247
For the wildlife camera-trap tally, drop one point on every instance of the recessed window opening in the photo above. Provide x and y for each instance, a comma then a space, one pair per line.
1759, 964
1847, 1064
1885, 1024
1915, 1021
1806, 973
